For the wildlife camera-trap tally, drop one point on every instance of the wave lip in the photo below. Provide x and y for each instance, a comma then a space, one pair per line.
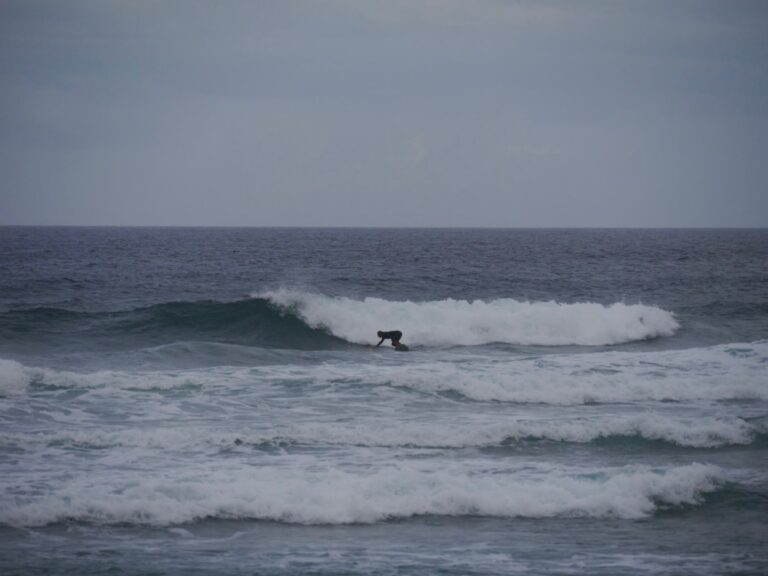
470, 323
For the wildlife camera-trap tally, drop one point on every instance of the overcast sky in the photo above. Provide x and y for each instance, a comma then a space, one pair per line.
384, 113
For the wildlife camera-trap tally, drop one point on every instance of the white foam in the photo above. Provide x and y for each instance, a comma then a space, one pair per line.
466, 323
707, 374
723, 372
714, 373
460, 432
316, 494
157, 438
16, 378
13, 378
699, 432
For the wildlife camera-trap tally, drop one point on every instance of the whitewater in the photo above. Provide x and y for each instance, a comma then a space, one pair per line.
469, 323
212, 401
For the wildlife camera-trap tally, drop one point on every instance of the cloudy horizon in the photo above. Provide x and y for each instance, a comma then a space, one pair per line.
384, 113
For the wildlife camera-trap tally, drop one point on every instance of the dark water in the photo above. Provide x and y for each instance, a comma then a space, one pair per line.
209, 401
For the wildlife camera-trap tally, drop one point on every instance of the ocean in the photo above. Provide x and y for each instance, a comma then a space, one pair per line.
211, 401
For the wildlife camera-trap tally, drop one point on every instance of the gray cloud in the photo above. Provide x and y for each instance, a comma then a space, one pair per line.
397, 113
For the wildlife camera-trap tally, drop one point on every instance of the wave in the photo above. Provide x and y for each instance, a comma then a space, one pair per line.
469, 323
305, 321
252, 322
718, 373
692, 432
17, 379
698, 432
329, 495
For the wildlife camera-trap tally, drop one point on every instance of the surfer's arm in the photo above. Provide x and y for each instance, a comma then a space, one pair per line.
380, 341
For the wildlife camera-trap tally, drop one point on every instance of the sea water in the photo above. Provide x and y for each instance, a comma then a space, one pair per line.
211, 401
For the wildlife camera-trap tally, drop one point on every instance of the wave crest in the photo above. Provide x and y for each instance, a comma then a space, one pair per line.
469, 323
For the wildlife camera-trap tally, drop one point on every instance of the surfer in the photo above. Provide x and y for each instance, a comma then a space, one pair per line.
394, 336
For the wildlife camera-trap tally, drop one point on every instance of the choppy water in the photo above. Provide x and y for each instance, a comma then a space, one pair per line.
209, 401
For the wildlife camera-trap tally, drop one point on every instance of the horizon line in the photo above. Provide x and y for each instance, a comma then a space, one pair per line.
385, 227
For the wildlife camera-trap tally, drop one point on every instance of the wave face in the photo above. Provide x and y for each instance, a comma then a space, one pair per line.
468, 323
253, 322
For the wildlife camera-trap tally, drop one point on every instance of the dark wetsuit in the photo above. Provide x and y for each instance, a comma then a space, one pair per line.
394, 335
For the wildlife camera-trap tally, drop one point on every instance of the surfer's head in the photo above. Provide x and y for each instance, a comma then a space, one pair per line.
380, 334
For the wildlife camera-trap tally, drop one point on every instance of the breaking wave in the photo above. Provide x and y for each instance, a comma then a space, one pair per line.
468, 323
306, 321
328, 495
719, 373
